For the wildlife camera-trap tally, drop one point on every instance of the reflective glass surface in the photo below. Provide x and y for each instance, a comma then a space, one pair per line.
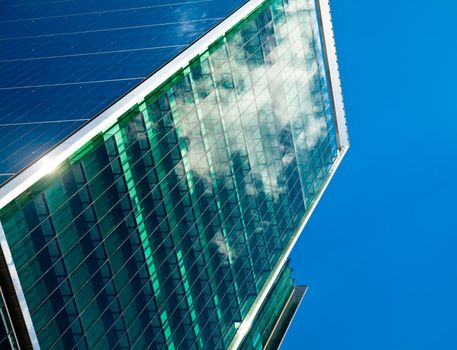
162, 231
63, 62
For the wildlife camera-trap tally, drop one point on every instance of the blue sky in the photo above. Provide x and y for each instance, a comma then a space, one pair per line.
380, 252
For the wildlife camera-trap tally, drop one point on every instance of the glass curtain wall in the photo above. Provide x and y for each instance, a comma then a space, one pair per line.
161, 232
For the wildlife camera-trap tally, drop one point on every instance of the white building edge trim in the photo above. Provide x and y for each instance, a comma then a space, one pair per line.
333, 72
325, 21
248, 321
46, 164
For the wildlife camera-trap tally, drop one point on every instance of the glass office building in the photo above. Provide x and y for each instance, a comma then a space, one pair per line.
158, 162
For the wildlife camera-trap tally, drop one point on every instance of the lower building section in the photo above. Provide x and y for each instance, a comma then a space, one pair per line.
275, 315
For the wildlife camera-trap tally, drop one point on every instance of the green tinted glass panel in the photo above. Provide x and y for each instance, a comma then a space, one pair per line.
163, 230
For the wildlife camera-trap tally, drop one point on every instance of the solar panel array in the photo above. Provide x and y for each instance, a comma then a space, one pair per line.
63, 62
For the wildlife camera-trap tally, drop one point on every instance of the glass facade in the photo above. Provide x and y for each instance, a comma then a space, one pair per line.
162, 231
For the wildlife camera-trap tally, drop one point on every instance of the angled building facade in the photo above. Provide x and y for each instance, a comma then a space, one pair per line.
150, 198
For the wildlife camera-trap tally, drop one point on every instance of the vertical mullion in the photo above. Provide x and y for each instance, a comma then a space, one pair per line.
194, 199
121, 141
171, 218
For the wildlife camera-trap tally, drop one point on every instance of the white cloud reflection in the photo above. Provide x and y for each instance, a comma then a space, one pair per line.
310, 125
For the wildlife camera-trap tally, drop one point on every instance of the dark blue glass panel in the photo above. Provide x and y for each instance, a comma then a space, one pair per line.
63, 62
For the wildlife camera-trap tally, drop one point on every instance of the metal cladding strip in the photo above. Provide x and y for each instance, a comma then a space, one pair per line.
18, 288
107, 118
293, 316
248, 321
292, 296
333, 71
8, 316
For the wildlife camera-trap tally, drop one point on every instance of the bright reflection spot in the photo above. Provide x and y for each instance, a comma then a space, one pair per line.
47, 165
